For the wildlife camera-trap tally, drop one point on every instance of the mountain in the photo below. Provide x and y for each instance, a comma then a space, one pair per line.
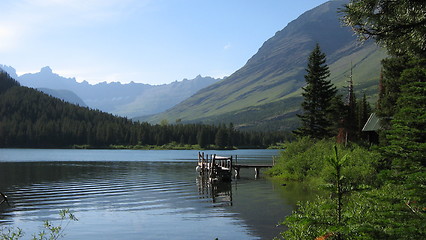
266, 92
162, 97
129, 100
66, 95
9, 70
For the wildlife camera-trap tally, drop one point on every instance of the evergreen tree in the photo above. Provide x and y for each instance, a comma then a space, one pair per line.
399, 26
221, 138
407, 135
318, 95
6, 81
348, 130
201, 138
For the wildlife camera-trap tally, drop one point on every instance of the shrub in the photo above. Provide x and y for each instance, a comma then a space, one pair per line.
305, 160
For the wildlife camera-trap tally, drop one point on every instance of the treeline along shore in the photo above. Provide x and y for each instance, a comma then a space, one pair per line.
29, 118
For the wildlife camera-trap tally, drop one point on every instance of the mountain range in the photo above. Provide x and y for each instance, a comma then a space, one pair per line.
128, 100
266, 92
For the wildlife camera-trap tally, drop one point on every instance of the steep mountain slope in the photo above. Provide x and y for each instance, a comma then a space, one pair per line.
265, 92
130, 100
66, 95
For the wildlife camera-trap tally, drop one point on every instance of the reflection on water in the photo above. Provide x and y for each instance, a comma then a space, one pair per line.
130, 197
219, 192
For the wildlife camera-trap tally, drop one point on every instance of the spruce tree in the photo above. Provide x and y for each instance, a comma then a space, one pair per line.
407, 136
318, 95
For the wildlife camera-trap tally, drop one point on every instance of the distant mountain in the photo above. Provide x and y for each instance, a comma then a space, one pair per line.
10, 70
266, 92
129, 100
162, 97
66, 95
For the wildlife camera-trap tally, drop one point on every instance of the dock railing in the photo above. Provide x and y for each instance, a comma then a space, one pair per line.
217, 167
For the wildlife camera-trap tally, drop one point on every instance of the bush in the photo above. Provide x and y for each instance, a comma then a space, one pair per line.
304, 160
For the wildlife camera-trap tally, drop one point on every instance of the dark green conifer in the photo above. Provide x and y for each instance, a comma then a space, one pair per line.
318, 95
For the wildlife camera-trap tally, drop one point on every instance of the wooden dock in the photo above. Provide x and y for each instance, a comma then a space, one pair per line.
220, 168
256, 167
216, 167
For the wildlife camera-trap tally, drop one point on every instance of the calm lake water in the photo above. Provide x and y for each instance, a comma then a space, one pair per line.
140, 194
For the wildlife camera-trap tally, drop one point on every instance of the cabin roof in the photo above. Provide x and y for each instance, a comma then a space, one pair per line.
372, 124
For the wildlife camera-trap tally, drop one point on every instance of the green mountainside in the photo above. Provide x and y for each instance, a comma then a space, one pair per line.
265, 94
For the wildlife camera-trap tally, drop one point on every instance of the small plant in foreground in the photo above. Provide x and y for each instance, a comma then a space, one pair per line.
51, 231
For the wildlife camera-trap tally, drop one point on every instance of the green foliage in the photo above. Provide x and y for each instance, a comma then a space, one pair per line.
324, 216
300, 160
55, 232
318, 95
364, 202
10, 233
407, 136
394, 206
363, 112
221, 138
391, 84
309, 220
383, 213
202, 138
305, 160
6, 82
394, 210
400, 25
51, 232
337, 180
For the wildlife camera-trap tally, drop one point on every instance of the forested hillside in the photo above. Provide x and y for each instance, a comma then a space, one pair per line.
29, 118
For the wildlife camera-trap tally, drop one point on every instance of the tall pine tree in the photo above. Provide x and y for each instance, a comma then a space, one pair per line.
318, 94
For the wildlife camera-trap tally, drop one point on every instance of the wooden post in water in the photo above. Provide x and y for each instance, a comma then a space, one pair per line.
237, 172
213, 166
256, 172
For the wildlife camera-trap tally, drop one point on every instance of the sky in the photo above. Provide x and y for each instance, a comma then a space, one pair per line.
144, 41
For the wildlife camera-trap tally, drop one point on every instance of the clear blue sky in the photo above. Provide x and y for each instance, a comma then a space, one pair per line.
147, 41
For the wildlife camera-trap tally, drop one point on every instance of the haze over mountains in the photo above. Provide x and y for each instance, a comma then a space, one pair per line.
266, 92
129, 100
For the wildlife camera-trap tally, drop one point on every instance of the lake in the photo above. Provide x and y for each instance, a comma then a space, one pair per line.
140, 194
